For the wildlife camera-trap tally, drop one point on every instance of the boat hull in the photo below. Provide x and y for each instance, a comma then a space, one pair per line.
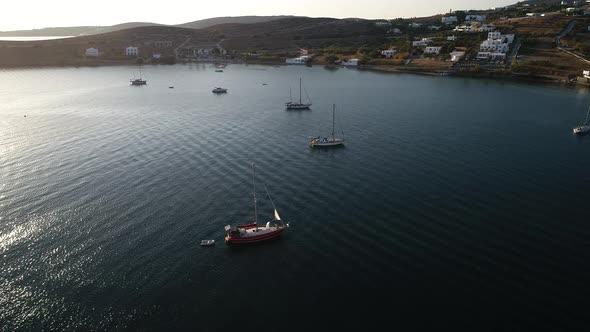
325, 144
235, 238
290, 106
582, 130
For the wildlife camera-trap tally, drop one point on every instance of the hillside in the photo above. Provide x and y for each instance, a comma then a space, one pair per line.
74, 31
70, 51
93, 30
202, 24
297, 32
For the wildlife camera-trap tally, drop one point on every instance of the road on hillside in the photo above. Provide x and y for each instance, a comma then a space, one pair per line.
565, 31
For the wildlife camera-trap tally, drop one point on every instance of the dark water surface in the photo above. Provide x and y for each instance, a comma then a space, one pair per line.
456, 203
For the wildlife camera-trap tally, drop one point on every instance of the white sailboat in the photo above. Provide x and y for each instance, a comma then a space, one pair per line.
585, 127
138, 81
328, 141
298, 105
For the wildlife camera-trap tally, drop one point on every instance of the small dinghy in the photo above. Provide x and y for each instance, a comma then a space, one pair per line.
207, 242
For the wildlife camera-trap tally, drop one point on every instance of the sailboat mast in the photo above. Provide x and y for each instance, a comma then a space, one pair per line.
333, 118
254, 193
299, 90
588, 113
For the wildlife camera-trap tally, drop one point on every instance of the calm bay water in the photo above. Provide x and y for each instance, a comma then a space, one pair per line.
455, 203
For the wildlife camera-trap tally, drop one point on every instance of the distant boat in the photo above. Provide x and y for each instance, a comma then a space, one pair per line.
138, 81
219, 90
327, 141
300, 105
219, 70
585, 127
250, 233
205, 243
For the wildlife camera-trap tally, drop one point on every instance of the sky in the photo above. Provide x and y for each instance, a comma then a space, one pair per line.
35, 14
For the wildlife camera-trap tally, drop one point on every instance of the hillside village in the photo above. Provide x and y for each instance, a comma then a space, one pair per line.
547, 40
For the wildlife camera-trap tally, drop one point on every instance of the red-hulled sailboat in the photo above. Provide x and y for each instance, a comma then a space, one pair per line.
250, 233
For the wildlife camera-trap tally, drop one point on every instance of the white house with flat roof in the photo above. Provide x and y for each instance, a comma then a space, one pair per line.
496, 45
432, 50
92, 52
298, 61
388, 53
422, 42
457, 55
452, 38
132, 51
350, 62
491, 55
494, 35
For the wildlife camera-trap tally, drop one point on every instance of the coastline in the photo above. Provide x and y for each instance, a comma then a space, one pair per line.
386, 69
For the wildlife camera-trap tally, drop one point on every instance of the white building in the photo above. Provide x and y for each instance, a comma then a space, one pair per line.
498, 56
350, 62
433, 28
432, 50
494, 35
491, 55
297, 61
382, 24
570, 10
497, 45
586, 73
156, 55
92, 52
474, 27
477, 18
452, 38
132, 51
422, 42
449, 20
388, 53
457, 55
415, 25
394, 31
484, 55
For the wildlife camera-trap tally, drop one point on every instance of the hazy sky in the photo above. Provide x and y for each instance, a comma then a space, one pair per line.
27, 14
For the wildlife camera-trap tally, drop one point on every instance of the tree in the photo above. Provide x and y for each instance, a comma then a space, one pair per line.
460, 15
332, 59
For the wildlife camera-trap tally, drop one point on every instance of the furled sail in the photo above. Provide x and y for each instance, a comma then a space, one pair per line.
277, 215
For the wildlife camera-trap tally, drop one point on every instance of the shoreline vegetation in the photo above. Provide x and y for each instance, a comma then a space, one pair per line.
542, 42
386, 69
